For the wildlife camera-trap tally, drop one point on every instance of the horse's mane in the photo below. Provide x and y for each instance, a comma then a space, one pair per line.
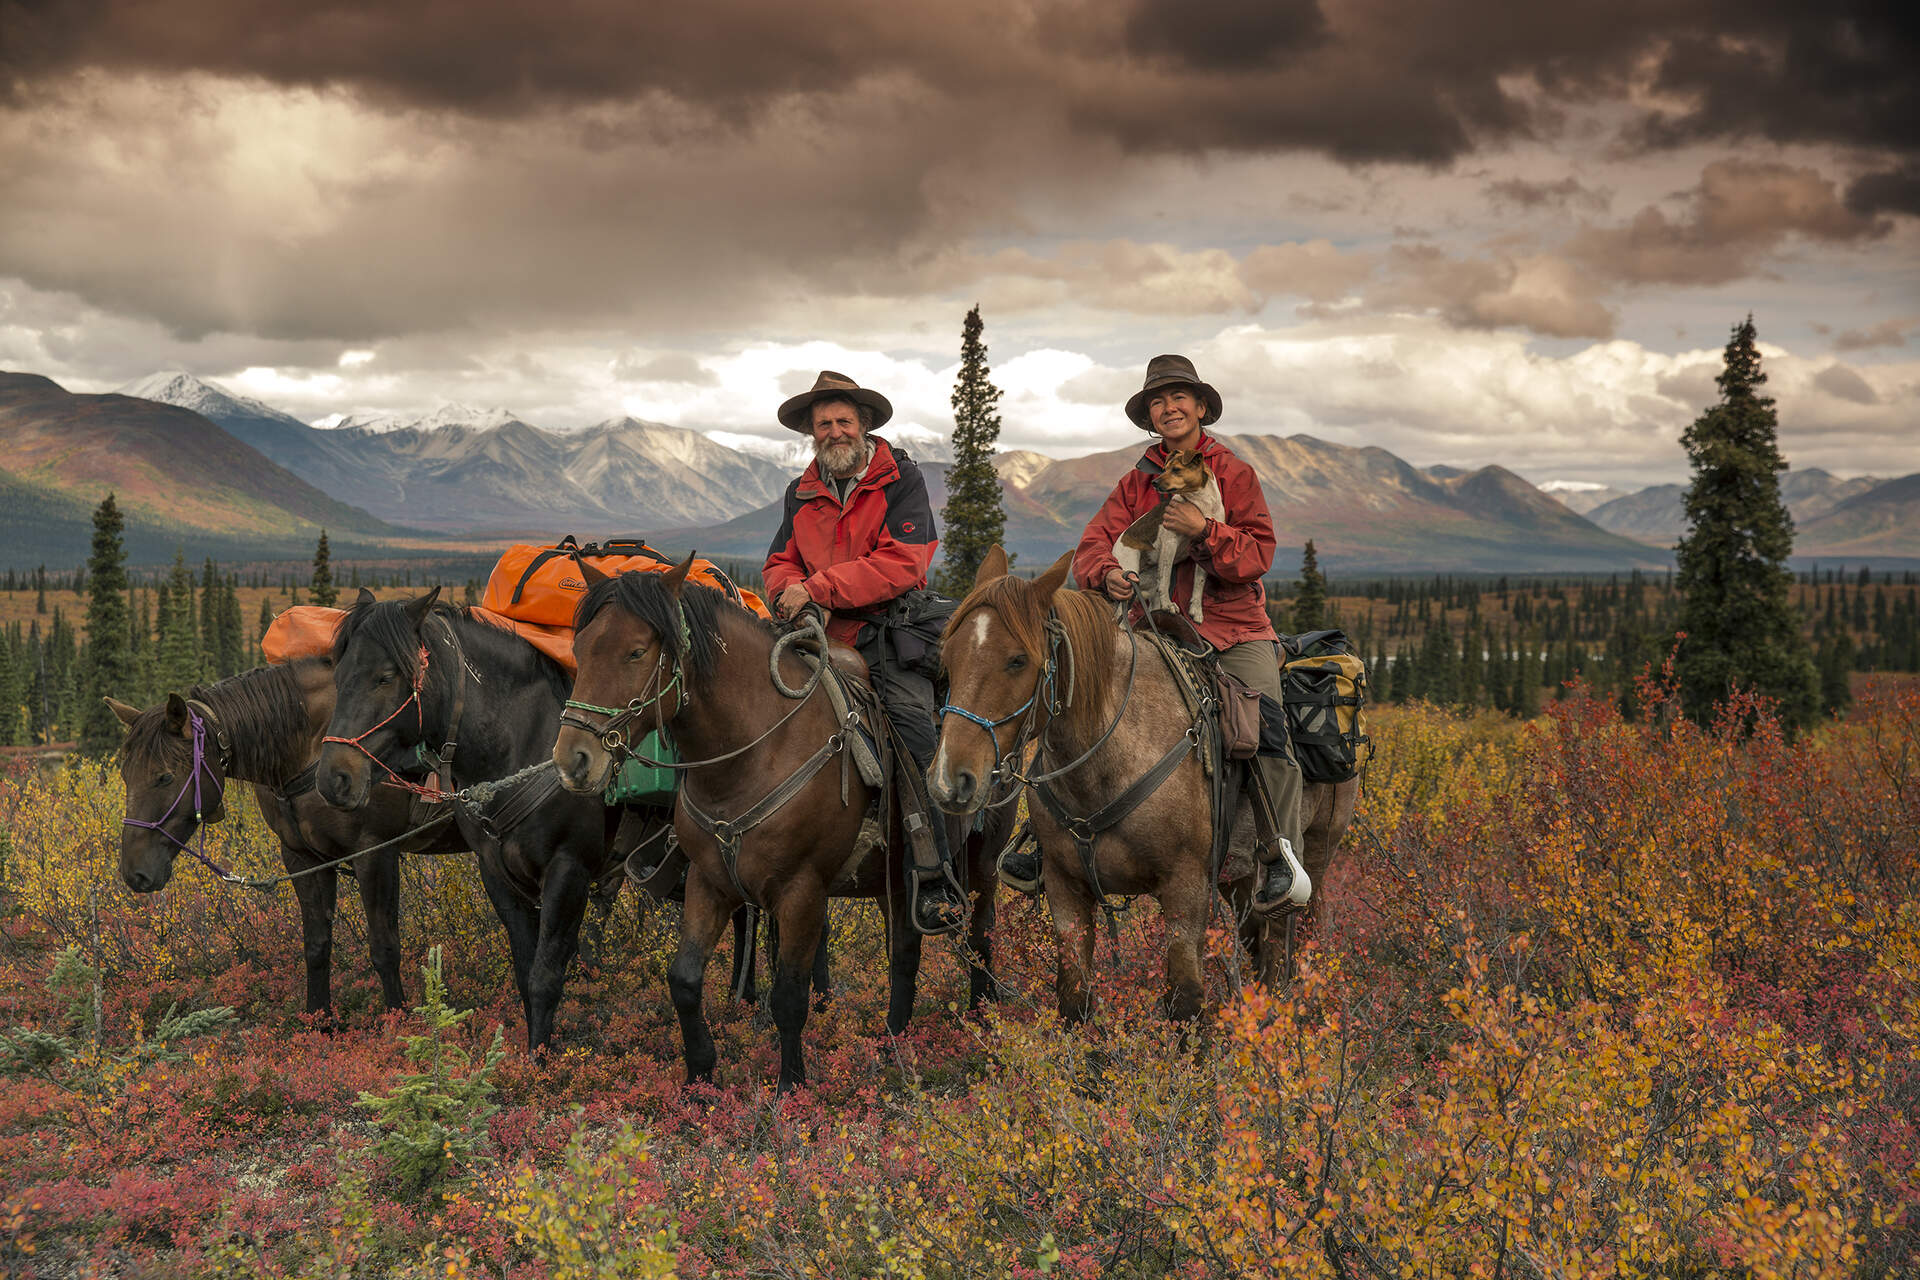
645, 596
1086, 621
264, 711
387, 625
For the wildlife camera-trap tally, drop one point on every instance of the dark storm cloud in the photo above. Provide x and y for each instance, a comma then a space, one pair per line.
1357, 79
1519, 193
1889, 190
1225, 34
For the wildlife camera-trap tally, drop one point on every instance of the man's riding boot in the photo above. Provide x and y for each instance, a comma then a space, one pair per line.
938, 904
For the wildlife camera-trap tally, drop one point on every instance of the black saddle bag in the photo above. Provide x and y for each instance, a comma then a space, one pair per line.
912, 627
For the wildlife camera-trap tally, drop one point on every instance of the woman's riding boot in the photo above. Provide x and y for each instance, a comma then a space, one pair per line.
1020, 864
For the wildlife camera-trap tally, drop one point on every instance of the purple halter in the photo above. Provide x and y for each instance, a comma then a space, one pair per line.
200, 766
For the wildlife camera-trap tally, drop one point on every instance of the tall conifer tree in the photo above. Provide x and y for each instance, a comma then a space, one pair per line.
1310, 593
110, 667
178, 667
973, 519
322, 590
1737, 611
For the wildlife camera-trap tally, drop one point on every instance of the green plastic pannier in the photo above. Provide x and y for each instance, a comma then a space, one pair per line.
637, 782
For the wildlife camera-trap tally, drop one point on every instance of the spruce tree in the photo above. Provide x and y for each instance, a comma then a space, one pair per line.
1310, 593
1737, 612
233, 654
973, 519
178, 667
322, 590
110, 667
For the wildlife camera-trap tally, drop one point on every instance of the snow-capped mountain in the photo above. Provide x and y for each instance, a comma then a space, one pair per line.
795, 451
188, 392
379, 422
1580, 496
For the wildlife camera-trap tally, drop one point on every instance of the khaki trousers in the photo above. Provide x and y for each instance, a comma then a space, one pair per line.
1256, 664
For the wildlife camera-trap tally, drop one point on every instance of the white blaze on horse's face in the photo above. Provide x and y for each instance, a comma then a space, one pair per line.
989, 679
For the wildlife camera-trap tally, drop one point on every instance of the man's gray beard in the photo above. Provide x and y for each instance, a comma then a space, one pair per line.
857, 457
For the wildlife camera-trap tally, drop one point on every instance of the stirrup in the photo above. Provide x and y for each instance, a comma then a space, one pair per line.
1012, 877
956, 900
1298, 889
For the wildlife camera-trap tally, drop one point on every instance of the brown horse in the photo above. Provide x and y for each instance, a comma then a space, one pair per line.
682, 656
263, 727
1028, 661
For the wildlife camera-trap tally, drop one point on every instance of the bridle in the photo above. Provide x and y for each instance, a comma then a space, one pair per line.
202, 815
1006, 766
442, 782
612, 733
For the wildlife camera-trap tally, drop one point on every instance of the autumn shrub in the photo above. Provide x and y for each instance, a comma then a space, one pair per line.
1587, 997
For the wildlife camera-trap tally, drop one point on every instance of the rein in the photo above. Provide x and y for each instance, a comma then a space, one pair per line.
728, 833
1084, 829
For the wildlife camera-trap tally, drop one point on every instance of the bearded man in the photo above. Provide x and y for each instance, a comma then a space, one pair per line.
856, 534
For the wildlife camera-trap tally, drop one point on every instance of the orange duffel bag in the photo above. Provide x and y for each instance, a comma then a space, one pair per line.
544, 585
301, 631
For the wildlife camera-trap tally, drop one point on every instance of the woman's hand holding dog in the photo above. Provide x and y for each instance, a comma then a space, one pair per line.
1184, 519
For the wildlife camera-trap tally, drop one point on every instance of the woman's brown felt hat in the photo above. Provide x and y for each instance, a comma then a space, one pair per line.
796, 414
1167, 371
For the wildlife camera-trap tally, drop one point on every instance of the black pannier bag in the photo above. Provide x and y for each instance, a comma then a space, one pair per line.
913, 623
1324, 684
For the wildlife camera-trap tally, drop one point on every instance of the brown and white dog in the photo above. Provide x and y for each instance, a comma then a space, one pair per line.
1149, 550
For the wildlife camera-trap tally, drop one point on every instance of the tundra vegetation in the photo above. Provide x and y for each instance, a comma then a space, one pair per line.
1593, 996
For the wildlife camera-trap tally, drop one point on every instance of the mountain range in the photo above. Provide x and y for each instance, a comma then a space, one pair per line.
179, 479
197, 464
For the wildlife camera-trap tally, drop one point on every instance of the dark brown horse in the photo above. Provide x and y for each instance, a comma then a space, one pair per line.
682, 656
270, 720
1036, 662
408, 676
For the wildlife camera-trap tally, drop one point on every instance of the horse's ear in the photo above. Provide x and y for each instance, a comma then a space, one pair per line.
1051, 581
590, 575
992, 565
676, 577
176, 714
127, 715
365, 597
418, 606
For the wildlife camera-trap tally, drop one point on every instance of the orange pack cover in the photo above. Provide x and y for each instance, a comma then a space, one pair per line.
306, 631
544, 585
303, 631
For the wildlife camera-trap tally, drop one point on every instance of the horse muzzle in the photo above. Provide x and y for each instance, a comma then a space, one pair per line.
954, 788
342, 777
585, 765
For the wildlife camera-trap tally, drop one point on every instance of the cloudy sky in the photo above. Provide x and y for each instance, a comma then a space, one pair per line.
1469, 231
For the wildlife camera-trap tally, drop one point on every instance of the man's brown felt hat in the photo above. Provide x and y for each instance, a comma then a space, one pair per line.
1167, 371
796, 414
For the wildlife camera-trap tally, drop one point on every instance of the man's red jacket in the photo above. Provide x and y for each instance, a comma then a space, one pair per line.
1237, 551
855, 558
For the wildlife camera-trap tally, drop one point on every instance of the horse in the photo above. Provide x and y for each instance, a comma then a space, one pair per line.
1027, 660
408, 675
263, 727
770, 810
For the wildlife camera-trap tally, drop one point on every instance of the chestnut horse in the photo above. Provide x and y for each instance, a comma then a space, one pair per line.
682, 657
1028, 661
263, 727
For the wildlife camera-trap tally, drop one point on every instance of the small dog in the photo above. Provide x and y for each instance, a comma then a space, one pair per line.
1149, 551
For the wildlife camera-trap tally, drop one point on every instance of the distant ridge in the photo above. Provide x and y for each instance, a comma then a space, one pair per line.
178, 477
